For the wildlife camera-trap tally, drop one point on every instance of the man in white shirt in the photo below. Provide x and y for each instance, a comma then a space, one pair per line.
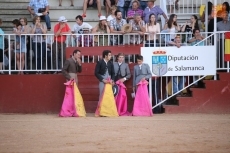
78, 27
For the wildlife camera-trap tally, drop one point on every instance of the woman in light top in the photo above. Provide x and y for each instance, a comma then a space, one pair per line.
39, 44
101, 28
20, 28
171, 26
152, 28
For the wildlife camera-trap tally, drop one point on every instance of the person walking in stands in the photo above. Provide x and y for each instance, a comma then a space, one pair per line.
41, 8
59, 45
104, 70
72, 66
151, 8
91, 3
1, 47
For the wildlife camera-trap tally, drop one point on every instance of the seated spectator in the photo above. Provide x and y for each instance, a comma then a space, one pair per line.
115, 27
225, 8
38, 45
196, 41
189, 27
60, 2
176, 42
108, 5
77, 28
1, 48
143, 4
153, 28
135, 10
102, 28
138, 26
91, 3
151, 8
172, 27
85, 40
59, 45
41, 8
112, 15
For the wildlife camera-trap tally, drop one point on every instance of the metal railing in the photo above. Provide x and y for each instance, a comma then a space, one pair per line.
38, 56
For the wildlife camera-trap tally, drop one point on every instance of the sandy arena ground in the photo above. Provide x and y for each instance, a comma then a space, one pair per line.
165, 133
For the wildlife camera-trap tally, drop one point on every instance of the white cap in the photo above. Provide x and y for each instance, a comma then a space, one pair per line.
62, 19
102, 18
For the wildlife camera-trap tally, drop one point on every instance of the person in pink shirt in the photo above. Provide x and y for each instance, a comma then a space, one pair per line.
135, 10
152, 28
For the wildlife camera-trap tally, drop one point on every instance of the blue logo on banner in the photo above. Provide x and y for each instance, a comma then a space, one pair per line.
159, 65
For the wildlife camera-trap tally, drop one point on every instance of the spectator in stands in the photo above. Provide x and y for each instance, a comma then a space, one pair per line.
178, 81
143, 4
222, 26
176, 42
151, 8
171, 5
108, 5
102, 28
1, 48
135, 10
189, 27
77, 28
38, 45
225, 8
123, 6
196, 41
210, 15
59, 45
21, 41
138, 26
60, 2
112, 15
91, 3
41, 8
85, 40
171, 26
116, 28
153, 28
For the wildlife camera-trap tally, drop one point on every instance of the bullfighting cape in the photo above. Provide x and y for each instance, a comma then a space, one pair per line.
107, 106
141, 106
73, 105
121, 99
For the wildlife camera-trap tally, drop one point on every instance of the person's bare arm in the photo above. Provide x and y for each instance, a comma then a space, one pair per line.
30, 10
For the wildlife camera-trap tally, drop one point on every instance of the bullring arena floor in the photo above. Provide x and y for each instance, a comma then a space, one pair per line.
165, 133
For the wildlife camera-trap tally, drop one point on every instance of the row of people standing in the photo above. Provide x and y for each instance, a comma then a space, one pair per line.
113, 75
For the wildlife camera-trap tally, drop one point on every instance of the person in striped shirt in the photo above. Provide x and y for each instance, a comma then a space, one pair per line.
135, 10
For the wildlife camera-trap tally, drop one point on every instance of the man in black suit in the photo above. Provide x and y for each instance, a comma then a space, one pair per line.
104, 70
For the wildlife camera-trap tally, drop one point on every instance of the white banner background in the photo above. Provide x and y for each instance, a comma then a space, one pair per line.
206, 58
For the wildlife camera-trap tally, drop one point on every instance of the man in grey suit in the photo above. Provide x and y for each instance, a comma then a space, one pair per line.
121, 69
141, 71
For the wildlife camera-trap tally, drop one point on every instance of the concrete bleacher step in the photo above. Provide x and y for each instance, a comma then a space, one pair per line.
13, 9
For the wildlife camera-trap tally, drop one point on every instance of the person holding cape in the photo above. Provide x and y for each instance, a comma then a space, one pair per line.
104, 71
122, 74
73, 105
141, 75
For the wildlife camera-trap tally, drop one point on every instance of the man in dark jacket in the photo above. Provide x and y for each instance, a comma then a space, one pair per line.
104, 70
72, 66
